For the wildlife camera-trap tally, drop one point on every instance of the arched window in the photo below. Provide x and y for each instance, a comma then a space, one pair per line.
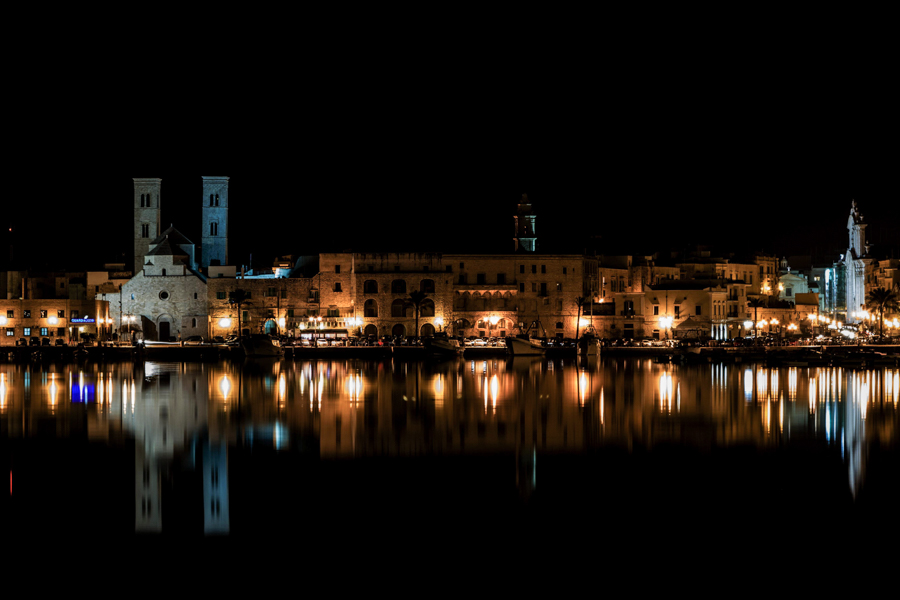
193, 322
398, 308
370, 309
398, 286
142, 201
213, 228
217, 199
210, 199
426, 309
398, 330
427, 286
370, 287
427, 330
164, 271
370, 330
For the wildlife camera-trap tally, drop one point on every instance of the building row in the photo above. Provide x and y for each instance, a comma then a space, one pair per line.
178, 290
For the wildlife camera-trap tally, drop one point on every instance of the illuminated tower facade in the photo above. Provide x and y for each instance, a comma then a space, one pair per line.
214, 242
855, 262
525, 237
146, 217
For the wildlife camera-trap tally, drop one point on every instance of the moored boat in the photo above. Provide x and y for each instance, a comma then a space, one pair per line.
525, 346
442, 345
260, 345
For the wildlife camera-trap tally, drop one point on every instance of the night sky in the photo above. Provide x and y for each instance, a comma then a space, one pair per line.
629, 163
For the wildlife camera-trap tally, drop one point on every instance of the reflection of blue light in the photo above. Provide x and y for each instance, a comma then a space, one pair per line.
83, 394
281, 436
827, 426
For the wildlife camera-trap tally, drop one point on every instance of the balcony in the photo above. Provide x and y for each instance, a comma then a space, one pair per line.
485, 287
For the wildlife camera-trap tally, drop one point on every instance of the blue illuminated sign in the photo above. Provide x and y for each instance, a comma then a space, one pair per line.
85, 320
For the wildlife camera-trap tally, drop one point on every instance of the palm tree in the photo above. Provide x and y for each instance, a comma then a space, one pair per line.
881, 300
415, 300
238, 298
579, 302
756, 304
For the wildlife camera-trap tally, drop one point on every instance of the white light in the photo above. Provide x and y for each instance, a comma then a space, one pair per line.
225, 323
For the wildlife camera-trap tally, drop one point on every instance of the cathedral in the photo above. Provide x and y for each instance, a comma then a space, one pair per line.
166, 298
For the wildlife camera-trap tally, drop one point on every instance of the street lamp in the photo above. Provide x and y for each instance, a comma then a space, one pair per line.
439, 321
748, 325
666, 323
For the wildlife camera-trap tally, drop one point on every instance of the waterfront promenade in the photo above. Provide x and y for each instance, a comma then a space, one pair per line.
818, 355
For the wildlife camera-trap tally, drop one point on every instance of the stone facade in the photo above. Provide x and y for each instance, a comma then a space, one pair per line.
382, 284
275, 305
214, 241
147, 197
167, 296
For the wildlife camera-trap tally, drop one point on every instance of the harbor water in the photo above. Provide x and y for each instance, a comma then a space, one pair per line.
620, 448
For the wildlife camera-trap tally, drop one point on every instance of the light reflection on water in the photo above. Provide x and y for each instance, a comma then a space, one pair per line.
353, 408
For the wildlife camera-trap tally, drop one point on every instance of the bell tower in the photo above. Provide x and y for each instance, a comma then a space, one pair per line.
146, 217
525, 237
214, 241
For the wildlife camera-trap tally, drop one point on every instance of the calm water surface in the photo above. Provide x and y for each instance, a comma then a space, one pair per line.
263, 446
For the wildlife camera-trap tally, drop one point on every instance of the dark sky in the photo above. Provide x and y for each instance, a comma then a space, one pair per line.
435, 199
647, 152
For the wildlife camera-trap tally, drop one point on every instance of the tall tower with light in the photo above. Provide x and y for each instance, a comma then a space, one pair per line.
214, 242
146, 217
525, 237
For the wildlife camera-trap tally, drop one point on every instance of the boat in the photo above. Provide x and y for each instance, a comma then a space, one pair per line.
521, 345
442, 344
588, 345
261, 345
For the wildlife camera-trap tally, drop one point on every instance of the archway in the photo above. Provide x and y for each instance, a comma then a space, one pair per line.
271, 327
398, 330
427, 330
370, 330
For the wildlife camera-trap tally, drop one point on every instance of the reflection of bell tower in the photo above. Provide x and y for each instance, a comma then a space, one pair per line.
525, 237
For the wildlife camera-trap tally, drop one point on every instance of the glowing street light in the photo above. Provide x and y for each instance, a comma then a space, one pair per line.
225, 323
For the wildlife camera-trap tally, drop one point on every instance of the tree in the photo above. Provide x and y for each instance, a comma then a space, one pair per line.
579, 302
415, 300
755, 304
881, 300
239, 298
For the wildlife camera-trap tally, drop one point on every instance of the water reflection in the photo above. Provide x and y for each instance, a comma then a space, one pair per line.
197, 414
